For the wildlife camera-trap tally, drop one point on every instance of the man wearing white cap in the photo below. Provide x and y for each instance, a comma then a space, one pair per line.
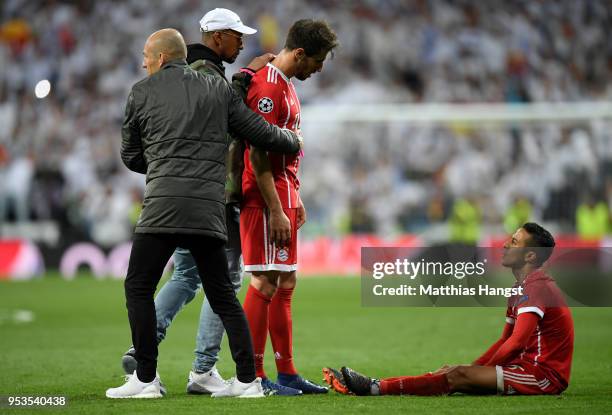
224, 19
222, 32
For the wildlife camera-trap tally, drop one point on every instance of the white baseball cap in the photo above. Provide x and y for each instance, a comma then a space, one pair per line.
221, 19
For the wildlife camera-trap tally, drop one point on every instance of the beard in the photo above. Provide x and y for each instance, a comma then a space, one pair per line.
302, 76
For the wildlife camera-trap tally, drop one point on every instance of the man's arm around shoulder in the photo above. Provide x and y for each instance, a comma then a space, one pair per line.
245, 123
242, 79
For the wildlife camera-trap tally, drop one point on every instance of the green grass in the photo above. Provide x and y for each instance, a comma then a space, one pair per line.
73, 348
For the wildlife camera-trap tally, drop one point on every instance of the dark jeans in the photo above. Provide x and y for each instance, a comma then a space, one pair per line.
150, 253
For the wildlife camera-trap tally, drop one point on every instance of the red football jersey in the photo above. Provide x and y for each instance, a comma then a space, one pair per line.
272, 95
552, 344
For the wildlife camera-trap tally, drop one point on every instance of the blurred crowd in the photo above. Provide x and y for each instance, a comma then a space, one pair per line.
395, 178
59, 154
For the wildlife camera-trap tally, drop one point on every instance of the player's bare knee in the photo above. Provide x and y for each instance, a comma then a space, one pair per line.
269, 289
457, 378
265, 284
287, 280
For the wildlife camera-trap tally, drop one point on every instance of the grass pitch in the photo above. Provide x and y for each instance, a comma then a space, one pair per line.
79, 331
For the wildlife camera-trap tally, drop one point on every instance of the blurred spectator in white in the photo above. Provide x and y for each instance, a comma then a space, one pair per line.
15, 188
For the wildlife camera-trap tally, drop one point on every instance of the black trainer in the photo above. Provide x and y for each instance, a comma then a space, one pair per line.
356, 382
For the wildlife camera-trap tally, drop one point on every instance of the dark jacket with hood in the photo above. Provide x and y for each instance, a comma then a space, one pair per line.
203, 59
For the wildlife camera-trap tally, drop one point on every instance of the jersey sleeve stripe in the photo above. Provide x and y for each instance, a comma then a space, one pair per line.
288, 185
288, 110
285, 126
536, 310
265, 233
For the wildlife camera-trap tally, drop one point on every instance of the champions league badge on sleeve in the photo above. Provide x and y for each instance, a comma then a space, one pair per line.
265, 105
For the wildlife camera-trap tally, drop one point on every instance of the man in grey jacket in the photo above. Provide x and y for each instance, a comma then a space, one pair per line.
222, 37
175, 131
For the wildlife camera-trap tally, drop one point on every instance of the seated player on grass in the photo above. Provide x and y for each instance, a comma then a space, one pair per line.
533, 355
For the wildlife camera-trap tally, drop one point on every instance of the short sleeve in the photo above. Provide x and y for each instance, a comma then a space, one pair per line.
266, 99
532, 300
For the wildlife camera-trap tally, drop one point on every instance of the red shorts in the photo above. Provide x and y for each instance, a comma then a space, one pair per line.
258, 253
523, 378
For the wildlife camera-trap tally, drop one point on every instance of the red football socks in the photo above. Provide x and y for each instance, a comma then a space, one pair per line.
281, 330
256, 307
424, 385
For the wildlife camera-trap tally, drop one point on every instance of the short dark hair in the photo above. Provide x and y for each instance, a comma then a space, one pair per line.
314, 36
540, 238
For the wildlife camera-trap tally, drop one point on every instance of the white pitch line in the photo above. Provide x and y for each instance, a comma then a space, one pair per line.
17, 316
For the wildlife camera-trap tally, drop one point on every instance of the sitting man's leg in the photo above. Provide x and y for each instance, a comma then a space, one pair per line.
466, 379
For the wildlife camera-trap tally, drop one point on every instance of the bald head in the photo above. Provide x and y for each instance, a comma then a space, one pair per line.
161, 47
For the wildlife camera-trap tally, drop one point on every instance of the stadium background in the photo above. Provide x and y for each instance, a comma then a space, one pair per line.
63, 181
435, 122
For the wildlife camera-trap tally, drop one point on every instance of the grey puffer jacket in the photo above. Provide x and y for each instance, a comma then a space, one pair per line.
175, 131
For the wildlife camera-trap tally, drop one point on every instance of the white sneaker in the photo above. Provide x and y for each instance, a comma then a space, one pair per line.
162, 387
203, 383
237, 389
134, 388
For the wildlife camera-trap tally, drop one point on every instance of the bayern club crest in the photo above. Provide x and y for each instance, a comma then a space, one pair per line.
265, 105
282, 255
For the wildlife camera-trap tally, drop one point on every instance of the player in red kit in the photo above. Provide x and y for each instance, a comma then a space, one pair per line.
533, 355
272, 211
